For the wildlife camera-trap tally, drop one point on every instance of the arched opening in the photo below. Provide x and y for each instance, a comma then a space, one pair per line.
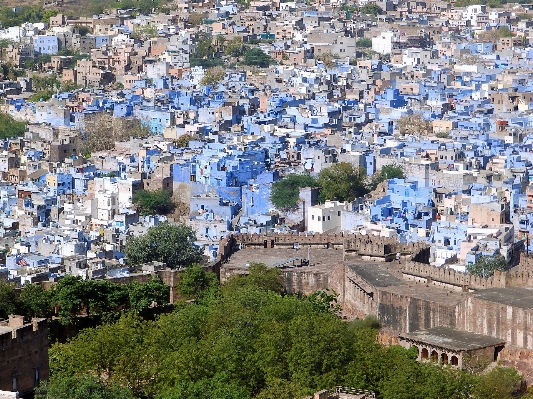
444, 358
425, 354
434, 356
455, 361
497, 351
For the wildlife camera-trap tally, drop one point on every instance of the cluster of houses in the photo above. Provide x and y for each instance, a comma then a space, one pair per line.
341, 85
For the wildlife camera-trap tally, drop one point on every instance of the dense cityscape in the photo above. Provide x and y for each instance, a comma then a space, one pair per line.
266, 199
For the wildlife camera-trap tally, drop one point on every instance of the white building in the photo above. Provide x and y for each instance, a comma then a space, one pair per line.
383, 43
325, 217
476, 14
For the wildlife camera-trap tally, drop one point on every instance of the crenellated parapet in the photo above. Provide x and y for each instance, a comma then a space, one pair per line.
450, 278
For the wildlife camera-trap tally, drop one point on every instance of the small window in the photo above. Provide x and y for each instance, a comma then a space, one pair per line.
338, 213
329, 217
319, 219
312, 217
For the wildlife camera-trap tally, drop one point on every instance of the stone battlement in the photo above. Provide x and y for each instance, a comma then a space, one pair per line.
21, 334
445, 276
357, 244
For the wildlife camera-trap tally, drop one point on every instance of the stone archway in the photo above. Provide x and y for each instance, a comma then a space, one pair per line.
417, 351
424, 355
434, 356
454, 361
444, 358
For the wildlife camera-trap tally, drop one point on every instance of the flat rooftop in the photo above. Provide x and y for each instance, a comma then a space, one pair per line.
518, 297
320, 258
375, 275
450, 338
430, 294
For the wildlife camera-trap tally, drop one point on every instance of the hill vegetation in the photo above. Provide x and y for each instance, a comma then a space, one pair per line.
246, 339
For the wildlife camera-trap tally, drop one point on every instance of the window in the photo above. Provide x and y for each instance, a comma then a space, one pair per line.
338, 213
15, 384
329, 217
319, 219
312, 217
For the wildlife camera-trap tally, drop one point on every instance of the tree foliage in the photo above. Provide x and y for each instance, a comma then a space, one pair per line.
371, 9
342, 181
196, 283
499, 383
184, 140
204, 53
234, 47
414, 124
364, 42
494, 35
195, 18
254, 56
72, 297
487, 265
248, 341
386, 173
285, 193
101, 131
75, 297
213, 76
36, 301
152, 202
8, 299
81, 388
9, 127
10, 16
171, 244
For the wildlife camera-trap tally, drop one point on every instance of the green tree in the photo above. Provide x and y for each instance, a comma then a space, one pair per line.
184, 140
216, 388
496, 34
195, 18
80, 388
150, 202
342, 181
234, 47
498, 383
36, 301
325, 301
204, 53
371, 9
9, 127
386, 173
259, 276
171, 244
144, 32
143, 295
196, 283
251, 341
486, 266
213, 76
285, 193
364, 42
117, 353
8, 300
257, 57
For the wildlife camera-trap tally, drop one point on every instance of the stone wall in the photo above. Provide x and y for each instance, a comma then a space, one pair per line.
303, 280
356, 244
510, 323
23, 351
449, 278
